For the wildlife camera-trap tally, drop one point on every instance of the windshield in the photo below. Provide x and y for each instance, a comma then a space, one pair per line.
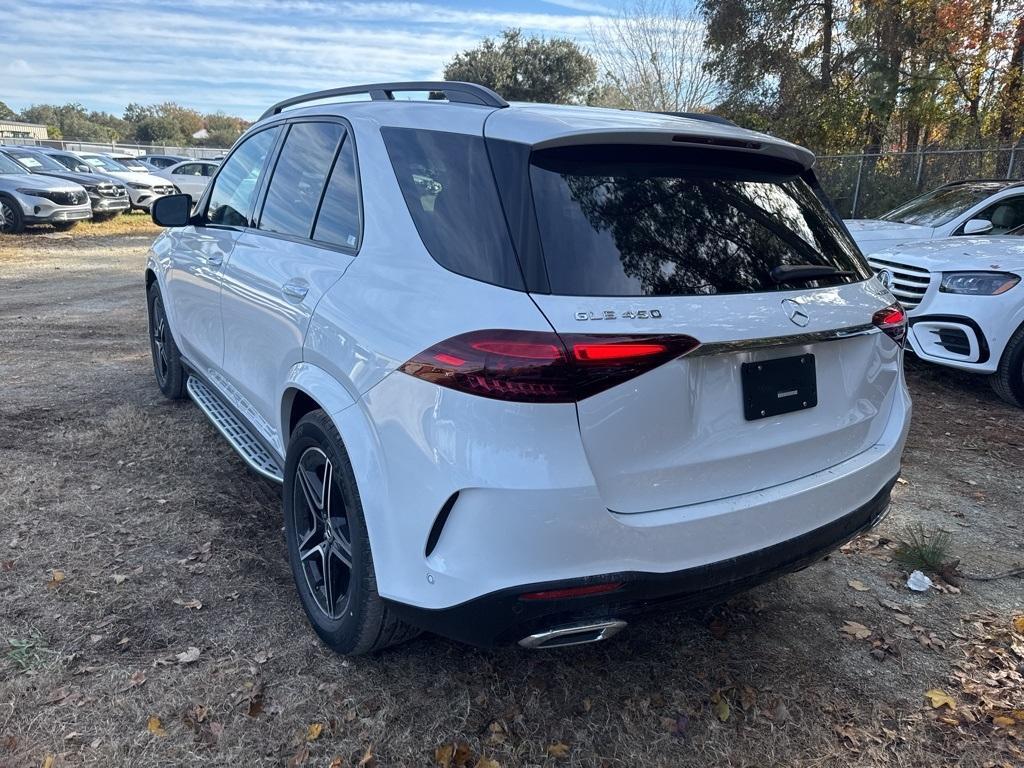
38, 162
132, 164
105, 163
638, 221
8, 166
942, 205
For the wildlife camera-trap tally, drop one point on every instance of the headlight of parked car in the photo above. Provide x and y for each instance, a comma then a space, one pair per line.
978, 283
33, 192
133, 185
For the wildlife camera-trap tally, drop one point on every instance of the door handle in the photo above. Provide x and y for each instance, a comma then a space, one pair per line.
294, 290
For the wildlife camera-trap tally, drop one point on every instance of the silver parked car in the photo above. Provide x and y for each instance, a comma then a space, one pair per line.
30, 199
159, 162
107, 194
191, 176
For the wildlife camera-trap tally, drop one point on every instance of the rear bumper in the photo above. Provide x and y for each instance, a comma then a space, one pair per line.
503, 617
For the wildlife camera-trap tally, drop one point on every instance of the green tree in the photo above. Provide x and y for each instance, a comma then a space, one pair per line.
527, 68
6, 113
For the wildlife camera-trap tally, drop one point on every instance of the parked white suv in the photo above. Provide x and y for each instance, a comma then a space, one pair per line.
525, 370
964, 302
973, 207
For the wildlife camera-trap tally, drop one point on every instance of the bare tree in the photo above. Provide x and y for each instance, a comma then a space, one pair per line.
652, 56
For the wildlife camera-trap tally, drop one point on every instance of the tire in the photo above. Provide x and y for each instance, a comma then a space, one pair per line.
12, 221
349, 616
64, 226
1008, 380
167, 367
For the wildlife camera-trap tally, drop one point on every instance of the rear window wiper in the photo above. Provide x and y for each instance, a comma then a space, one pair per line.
802, 273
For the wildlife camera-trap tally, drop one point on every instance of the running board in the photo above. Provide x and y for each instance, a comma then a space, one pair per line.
236, 432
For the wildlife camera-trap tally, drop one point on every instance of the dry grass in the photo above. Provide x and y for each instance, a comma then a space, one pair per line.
143, 509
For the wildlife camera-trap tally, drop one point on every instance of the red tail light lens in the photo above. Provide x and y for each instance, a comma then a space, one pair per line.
542, 367
893, 322
570, 592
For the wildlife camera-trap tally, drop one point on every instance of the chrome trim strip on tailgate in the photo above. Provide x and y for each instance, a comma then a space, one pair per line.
746, 345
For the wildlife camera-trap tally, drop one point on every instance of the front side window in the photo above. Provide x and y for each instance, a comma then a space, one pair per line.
942, 205
235, 187
640, 221
1005, 215
298, 181
8, 166
338, 222
189, 169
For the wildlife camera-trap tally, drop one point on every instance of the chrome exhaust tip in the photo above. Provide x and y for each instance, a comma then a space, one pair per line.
574, 634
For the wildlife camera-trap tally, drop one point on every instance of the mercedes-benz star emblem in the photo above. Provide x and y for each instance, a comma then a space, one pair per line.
885, 278
795, 312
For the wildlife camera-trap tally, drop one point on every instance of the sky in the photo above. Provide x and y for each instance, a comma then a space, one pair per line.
240, 56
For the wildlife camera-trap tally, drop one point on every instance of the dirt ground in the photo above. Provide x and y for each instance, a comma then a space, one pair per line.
147, 614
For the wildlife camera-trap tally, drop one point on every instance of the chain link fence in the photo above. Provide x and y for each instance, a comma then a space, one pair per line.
864, 186
200, 153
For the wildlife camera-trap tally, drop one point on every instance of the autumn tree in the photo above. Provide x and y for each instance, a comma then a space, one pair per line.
522, 68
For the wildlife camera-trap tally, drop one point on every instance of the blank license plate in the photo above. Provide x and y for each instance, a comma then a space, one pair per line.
784, 385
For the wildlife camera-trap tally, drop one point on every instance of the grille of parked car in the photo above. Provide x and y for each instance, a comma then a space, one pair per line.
909, 283
164, 189
66, 198
111, 190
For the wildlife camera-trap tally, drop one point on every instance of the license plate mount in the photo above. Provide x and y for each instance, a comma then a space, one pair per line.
783, 385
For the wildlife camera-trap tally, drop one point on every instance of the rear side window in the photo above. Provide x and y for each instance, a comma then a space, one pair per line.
636, 221
338, 222
449, 188
298, 181
235, 186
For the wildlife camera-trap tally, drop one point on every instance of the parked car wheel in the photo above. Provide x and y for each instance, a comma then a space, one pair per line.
11, 220
64, 226
167, 367
1008, 380
328, 546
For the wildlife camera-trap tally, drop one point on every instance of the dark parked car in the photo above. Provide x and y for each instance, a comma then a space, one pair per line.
107, 195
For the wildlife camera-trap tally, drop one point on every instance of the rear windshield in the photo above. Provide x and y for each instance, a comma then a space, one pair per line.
651, 221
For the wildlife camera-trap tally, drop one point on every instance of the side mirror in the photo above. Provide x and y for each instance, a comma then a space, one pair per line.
83, 168
977, 227
172, 210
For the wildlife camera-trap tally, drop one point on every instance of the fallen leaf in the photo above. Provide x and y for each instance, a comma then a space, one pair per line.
368, 760
194, 605
1018, 624
443, 755
780, 714
1003, 721
939, 698
336, 763
262, 657
720, 705
188, 656
858, 585
119, 578
748, 698
154, 727
854, 629
485, 762
313, 731
558, 750
137, 679
56, 577
300, 757
48, 761
902, 618
255, 703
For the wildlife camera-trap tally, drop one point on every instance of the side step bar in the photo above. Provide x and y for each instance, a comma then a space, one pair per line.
236, 432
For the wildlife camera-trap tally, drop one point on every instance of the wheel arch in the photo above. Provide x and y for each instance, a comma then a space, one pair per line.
308, 388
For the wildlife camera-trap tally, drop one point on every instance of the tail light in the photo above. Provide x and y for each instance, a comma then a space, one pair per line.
542, 367
892, 321
571, 592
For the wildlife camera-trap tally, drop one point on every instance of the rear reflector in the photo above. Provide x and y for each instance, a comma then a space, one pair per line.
892, 321
540, 366
570, 592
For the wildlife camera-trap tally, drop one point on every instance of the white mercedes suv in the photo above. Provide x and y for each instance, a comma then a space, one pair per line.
526, 371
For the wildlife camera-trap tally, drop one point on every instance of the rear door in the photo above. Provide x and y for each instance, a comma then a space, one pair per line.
791, 376
307, 234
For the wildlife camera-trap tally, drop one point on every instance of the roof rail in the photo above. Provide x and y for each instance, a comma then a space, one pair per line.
707, 117
453, 90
